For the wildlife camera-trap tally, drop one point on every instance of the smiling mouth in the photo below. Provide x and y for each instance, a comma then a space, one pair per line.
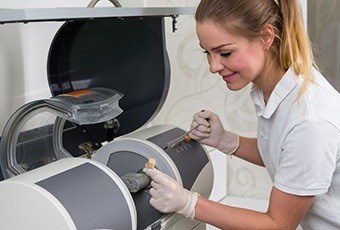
229, 76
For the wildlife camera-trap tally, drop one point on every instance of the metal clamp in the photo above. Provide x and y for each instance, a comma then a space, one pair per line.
87, 148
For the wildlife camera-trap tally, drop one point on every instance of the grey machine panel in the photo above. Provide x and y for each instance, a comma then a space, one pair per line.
190, 158
123, 162
98, 204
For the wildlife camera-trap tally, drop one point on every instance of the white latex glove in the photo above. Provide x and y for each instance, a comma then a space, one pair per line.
169, 196
211, 133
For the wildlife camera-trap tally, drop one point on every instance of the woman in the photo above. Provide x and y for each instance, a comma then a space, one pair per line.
264, 42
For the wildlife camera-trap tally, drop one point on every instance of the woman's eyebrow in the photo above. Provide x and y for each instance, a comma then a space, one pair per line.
219, 46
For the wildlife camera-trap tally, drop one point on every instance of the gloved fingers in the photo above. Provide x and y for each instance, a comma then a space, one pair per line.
200, 127
160, 205
157, 185
202, 118
162, 179
159, 179
155, 203
151, 172
203, 130
200, 133
156, 193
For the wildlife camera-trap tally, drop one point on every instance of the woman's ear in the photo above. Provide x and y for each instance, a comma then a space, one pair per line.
267, 36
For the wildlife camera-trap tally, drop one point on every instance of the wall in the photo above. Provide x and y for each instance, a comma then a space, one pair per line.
324, 28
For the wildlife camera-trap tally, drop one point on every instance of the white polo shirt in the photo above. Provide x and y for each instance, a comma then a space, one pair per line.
299, 142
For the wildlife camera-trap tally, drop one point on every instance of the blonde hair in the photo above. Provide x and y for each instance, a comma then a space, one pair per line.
248, 17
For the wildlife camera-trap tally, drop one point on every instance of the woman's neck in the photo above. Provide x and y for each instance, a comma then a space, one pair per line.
268, 79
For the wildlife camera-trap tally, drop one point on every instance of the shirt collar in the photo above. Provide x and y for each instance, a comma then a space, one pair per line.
281, 90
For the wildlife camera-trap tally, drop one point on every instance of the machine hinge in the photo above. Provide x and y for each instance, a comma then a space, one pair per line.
174, 22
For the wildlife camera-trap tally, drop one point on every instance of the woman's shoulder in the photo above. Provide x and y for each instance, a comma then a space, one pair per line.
320, 102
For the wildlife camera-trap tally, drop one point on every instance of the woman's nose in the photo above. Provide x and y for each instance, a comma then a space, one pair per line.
215, 65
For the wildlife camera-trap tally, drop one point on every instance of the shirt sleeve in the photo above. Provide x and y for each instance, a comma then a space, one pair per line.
308, 159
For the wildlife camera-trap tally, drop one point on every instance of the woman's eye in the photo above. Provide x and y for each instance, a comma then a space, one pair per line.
225, 54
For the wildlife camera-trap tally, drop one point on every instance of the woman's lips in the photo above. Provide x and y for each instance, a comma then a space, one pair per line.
228, 78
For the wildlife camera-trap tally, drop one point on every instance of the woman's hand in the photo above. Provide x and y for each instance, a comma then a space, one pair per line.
211, 132
169, 196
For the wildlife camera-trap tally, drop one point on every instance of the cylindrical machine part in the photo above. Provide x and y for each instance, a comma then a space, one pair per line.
136, 181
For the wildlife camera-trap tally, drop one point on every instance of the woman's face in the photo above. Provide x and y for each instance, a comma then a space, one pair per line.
238, 60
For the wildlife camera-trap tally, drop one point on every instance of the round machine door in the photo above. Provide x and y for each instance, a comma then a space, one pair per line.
126, 156
29, 139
